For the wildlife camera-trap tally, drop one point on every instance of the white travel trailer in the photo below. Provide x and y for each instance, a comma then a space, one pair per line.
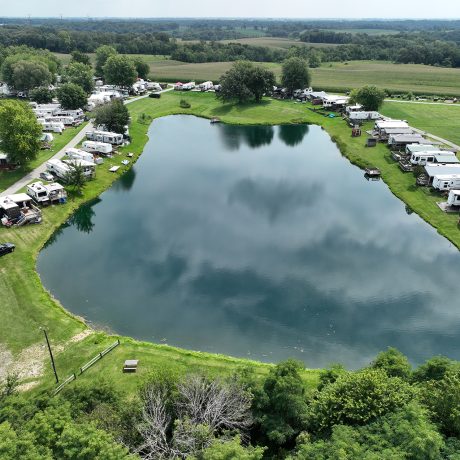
188, 86
446, 181
89, 168
97, 147
206, 86
438, 169
360, 116
58, 168
66, 121
454, 198
150, 85
386, 125
54, 127
45, 194
105, 136
77, 154
78, 115
434, 156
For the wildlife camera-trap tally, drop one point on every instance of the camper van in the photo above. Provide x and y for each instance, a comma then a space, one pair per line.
206, 86
454, 198
77, 154
104, 136
54, 127
438, 156
58, 168
446, 181
45, 194
89, 168
97, 147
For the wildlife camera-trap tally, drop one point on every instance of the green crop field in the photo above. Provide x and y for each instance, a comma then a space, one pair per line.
365, 31
441, 120
148, 58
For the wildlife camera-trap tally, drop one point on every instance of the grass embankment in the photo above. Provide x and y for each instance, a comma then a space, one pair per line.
8, 178
441, 120
25, 305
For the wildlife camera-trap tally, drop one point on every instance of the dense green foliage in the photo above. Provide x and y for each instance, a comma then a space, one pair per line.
71, 96
244, 82
370, 97
22, 143
80, 74
113, 116
41, 95
102, 54
142, 68
295, 74
119, 70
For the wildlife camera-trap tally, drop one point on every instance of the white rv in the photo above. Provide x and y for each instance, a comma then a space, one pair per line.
66, 121
454, 198
153, 86
97, 147
386, 125
206, 86
54, 127
446, 181
413, 148
434, 156
89, 168
58, 168
104, 136
437, 169
77, 154
188, 86
45, 194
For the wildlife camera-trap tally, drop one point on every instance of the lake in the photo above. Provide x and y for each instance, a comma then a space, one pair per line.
260, 242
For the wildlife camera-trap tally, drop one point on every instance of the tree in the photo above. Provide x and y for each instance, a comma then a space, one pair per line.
280, 408
30, 74
142, 68
114, 116
433, 369
78, 56
75, 177
357, 398
22, 143
71, 96
295, 74
404, 434
80, 74
230, 450
442, 398
102, 54
41, 95
120, 71
85, 441
245, 81
394, 363
314, 60
370, 97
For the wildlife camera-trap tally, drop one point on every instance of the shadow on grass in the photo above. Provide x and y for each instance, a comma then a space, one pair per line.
240, 108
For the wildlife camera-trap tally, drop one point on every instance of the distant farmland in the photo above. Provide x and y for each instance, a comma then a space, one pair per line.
277, 43
338, 76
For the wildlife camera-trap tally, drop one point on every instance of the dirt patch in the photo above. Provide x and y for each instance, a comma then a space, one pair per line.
81, 336
6, 359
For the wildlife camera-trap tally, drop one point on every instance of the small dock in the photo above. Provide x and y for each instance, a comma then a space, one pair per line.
373, 172
215, 120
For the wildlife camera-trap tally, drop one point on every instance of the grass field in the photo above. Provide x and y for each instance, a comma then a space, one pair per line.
148, 58
441, 120
25, 305
339, 76
366, 31
8, 178
276, 42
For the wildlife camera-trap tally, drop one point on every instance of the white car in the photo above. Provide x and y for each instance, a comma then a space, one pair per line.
46, 176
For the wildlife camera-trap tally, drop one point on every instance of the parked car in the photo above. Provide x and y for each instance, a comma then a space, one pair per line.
6, 248
46, 176
155, 95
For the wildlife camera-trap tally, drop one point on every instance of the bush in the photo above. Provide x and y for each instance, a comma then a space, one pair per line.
184, 104
393, 362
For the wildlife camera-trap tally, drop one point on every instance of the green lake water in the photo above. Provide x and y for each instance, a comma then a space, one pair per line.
260, 242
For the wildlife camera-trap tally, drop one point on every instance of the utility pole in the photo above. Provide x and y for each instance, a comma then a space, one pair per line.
51, 354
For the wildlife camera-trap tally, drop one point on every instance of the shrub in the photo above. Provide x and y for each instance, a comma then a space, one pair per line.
184, 104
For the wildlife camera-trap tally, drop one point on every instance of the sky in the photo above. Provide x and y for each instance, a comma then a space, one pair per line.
446, 9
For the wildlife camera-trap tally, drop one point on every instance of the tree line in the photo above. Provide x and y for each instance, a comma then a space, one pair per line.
385, 410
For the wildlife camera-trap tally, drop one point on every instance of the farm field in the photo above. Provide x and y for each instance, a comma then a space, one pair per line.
275, 42
441, 120
366, 31
148, 58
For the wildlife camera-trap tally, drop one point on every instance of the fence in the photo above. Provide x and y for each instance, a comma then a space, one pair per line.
63, 384
99, 356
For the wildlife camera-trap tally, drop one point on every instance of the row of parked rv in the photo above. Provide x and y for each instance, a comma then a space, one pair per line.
55, 119
192, 86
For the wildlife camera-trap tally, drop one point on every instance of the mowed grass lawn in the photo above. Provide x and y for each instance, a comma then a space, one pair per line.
441, 120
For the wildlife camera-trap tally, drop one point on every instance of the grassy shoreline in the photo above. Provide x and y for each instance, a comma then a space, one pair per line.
26, 305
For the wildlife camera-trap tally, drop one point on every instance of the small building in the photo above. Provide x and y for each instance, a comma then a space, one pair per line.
401, 140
